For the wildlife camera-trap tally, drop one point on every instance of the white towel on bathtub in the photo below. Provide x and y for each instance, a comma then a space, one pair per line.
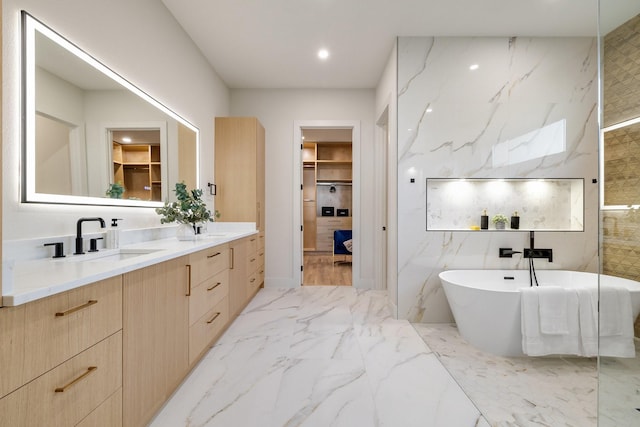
616, 322
536, 343
553, 303
588, 300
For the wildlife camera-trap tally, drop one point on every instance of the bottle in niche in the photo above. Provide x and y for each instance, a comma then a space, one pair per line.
515, 221
484, 220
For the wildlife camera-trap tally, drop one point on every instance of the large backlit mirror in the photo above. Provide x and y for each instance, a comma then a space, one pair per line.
90, 136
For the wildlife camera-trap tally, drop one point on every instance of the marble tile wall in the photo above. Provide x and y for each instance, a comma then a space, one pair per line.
450, 118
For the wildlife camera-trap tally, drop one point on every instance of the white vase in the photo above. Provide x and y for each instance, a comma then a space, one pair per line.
499, 225
185, 232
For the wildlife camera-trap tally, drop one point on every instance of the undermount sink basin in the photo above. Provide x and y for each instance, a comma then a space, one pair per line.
111, 255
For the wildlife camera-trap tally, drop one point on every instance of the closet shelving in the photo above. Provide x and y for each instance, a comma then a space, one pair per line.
324, 164
137, 167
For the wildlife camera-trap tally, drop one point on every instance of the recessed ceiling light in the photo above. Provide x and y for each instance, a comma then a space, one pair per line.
126, 139
323, 54
429, 110
474, 67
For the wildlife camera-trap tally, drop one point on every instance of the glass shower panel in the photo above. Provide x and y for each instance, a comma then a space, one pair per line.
618, 376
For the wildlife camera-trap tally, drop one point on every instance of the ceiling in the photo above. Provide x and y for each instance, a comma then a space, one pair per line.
274, 43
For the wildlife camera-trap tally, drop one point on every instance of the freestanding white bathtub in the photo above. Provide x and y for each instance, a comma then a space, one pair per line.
486, 303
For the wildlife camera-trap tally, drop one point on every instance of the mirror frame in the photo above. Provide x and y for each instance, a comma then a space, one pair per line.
27, 185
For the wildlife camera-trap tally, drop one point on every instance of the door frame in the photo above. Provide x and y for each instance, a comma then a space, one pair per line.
298, 250
381, 252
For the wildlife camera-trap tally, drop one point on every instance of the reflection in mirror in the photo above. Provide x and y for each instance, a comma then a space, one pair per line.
75, 109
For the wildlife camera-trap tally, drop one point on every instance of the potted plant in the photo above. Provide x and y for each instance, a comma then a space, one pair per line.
115, 190
499, 220
189, 211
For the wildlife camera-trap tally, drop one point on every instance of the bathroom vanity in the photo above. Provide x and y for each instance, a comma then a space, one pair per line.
105, 339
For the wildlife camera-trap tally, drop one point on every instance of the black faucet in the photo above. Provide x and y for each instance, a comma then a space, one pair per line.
79, 244
537, 253
507, 253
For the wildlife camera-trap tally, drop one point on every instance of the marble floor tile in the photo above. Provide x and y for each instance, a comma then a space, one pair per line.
518, 391
317, 357
619, 391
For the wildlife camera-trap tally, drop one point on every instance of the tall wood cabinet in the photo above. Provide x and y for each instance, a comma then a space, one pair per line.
239, 170
240, 178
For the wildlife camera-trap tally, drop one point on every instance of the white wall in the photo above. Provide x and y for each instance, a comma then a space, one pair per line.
142, 42
277, 110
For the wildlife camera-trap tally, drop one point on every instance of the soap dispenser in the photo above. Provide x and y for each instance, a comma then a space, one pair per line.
484, 220
113, 234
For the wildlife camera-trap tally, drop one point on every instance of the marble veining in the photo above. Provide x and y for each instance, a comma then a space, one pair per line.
449, 120
319, 356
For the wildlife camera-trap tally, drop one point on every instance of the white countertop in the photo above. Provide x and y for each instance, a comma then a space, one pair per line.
36, 279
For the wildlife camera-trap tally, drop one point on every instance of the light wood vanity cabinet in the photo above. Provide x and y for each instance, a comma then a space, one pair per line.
120, 347
209, 298
238, 276
55, 343
253, 282
155, 337
68, 393
35, 337
261, 258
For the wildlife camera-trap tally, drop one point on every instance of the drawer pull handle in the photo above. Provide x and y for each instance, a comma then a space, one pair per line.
80, 378
261, 271
253, 240
252, 259
188, 280
215, 316
252, 280
78, 308
214, 255
214, 286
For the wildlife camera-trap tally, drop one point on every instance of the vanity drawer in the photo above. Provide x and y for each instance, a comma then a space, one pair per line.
252, 245
68, 393
208, 262
207, 328
252, 262
207, 294
40, 335
108, 414
260, 257
253, 283
260, 275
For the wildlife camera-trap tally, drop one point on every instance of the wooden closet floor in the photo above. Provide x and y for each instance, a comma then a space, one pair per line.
319, 269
